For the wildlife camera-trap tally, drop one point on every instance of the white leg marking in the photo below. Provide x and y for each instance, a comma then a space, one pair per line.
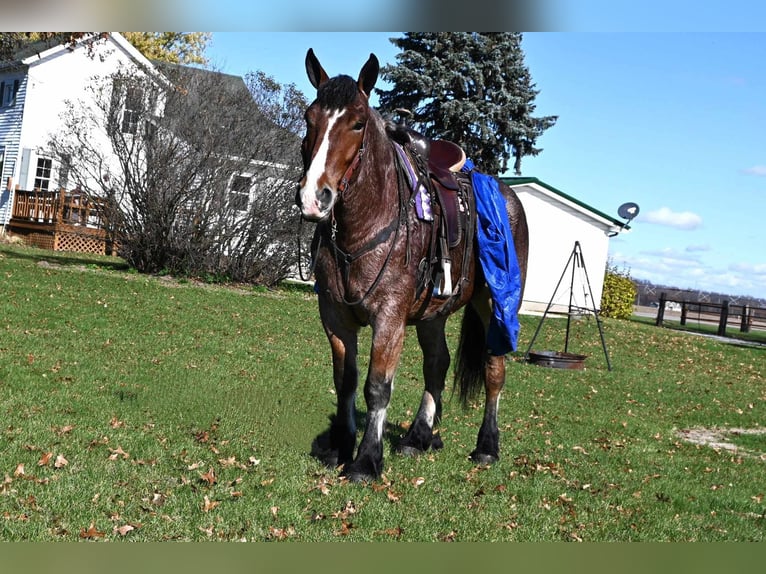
428, 408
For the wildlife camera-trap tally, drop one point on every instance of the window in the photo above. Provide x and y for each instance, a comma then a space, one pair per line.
2, 162
43, 173
133, 107
8, 91
239, 194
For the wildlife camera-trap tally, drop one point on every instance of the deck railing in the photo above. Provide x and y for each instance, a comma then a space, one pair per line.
51, 207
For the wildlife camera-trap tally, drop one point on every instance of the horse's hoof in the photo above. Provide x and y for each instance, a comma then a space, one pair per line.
411, 451
484, 458
360, 477
355, 472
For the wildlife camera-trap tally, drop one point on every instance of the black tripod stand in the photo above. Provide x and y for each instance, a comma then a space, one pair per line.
576, 261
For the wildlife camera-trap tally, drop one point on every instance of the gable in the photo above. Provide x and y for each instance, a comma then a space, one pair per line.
557, 199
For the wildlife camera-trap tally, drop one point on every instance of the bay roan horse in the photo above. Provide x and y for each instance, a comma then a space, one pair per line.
367, 249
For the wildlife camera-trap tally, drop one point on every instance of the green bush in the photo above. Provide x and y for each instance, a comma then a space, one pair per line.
619, 293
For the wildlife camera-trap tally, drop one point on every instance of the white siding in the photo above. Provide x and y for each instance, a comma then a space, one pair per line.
555, 224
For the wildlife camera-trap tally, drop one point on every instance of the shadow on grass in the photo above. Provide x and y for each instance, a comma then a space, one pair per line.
67, 259
324, 453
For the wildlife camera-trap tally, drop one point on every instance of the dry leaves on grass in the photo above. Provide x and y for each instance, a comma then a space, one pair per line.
91, 533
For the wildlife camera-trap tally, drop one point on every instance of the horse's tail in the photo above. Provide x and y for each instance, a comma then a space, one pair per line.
471, 355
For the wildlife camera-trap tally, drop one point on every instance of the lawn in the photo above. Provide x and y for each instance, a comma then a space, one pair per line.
137, 408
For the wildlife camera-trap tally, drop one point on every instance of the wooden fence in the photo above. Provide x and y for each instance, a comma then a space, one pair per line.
724, 314
67, 207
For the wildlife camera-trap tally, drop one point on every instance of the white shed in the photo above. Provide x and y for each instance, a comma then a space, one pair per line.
556, 222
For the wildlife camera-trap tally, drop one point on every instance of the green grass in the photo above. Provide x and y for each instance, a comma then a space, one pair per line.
185, 411
695, 326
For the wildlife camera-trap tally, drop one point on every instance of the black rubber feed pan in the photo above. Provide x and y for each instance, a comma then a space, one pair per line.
557, 359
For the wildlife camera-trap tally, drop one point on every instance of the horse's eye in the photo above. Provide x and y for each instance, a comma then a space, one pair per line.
358, 126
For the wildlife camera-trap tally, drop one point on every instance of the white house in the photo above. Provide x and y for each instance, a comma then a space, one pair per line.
34, 90
557, 222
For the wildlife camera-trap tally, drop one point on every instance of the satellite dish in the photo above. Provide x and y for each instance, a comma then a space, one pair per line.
628, 210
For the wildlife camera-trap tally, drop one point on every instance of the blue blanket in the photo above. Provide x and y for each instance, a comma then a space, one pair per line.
497, 256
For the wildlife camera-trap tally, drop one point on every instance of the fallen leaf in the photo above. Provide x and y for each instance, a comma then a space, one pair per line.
117, 453
227, 462
45, 459
65, 429
124, 529
418, 481
392, 496
91, 533
60, 462
281, 533
209, 505
209, 477
19, 470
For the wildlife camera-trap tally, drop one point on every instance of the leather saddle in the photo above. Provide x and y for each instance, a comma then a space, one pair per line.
443, 159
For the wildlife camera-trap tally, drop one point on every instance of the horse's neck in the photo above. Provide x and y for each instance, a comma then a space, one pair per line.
371, 202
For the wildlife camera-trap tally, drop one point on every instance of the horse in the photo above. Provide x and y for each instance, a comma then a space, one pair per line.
368, 254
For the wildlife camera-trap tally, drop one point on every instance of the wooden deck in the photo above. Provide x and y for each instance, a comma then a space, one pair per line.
61, 221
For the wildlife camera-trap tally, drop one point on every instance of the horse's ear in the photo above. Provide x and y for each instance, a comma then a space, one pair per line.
315, 71
369, 75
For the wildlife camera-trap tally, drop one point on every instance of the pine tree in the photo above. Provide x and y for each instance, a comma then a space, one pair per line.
471, 88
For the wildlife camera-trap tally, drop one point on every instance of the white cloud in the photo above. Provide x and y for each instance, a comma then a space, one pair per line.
759, 170
698, 248
685, 220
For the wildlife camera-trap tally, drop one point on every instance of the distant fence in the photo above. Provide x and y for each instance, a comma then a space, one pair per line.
724, 314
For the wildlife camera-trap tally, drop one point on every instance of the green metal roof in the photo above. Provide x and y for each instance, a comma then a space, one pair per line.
526, 180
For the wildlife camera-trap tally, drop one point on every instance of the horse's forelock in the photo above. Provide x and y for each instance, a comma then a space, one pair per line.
337, 92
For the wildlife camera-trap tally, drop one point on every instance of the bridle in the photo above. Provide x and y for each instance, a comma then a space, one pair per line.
344, 258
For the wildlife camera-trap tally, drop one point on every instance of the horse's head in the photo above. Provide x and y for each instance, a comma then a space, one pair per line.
335, 129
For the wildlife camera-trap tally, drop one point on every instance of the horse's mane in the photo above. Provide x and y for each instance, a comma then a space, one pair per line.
337, 92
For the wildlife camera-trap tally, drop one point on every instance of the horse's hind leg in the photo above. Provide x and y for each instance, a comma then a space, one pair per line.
488, 441
436, 360
477, 366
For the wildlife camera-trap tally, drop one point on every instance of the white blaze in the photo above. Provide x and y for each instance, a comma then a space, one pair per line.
317, 168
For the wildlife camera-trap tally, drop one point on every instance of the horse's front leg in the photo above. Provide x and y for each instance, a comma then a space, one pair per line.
336, 446
387, 343
436, 361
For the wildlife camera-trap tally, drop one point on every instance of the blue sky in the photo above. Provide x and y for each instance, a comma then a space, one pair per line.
671, 121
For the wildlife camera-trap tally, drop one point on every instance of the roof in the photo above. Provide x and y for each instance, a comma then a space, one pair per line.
26, 54
514, 181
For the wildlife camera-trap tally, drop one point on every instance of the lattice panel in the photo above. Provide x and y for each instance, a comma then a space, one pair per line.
41, 240
79, 243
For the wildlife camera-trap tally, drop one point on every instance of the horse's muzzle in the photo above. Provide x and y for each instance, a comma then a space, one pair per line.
317, 206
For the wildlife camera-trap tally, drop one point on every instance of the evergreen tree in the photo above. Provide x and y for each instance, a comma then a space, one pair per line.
471, 88
172, 47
